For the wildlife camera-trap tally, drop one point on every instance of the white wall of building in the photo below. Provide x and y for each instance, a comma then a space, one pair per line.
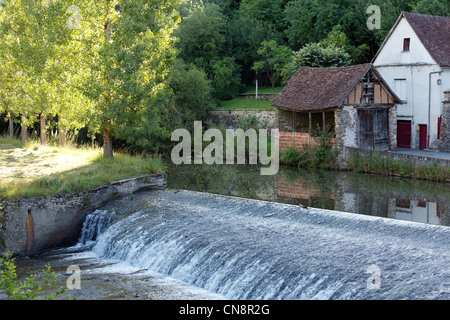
413, 67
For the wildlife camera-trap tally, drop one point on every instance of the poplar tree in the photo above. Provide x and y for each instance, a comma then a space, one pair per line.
131, 47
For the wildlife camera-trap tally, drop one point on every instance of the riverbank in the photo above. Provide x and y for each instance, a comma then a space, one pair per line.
416, 164
45, 191
31, 170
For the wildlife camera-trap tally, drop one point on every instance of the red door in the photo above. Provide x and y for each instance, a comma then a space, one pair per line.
423, 136
404, 134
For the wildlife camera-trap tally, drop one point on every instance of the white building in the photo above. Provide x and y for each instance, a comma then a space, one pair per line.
414, 60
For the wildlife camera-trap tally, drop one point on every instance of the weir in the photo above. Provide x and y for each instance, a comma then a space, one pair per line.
249, 249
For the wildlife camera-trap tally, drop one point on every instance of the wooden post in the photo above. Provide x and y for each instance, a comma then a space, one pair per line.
294, 125
323, 123
310, 129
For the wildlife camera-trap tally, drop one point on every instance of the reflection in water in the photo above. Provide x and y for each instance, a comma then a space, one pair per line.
391, 197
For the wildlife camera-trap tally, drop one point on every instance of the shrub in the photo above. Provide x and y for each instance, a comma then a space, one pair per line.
27, 289
289, 156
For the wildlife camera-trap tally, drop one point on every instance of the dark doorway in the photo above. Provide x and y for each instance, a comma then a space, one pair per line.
423, 136
374, 129
404, 134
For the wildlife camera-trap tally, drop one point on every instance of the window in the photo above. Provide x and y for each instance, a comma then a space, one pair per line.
400, 88
406, 43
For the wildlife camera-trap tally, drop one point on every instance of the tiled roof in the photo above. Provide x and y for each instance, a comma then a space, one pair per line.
434, 33
320, 88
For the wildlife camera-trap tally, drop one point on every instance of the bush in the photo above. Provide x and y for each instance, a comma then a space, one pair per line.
290, 156
29, 288
226, 79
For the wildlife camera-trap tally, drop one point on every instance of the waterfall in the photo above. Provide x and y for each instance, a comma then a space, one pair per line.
93, 226
258, 250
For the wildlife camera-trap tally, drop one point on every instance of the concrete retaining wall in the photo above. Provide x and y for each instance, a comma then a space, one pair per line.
35, 224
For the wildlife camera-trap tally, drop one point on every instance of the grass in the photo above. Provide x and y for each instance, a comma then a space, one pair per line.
29, 170
252, 89
247, 103
380, 165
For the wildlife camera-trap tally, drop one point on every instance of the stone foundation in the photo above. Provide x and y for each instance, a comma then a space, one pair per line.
444, 141
268, 119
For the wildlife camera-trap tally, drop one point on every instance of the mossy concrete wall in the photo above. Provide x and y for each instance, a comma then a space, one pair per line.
35, 224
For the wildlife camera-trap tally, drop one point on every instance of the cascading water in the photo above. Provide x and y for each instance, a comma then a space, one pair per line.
93, 226
245, 249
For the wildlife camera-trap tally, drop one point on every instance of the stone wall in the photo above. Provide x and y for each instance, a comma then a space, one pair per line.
393, 128
268, 119
346, 128
35, 224
444, 143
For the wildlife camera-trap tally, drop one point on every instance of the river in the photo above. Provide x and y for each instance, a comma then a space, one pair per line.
264, 237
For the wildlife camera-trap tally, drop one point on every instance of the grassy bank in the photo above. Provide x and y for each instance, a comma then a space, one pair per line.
248, 103
379, 165
29, 169
241, 103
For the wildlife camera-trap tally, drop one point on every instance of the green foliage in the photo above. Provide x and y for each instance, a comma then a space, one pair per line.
27, 289
192, 96
316, 55
323, 156
201, 35
289, 156
249, 122
114, 79
226, 79
272, 59
375, 163
127, 76
88, 169
433, 7
269, 12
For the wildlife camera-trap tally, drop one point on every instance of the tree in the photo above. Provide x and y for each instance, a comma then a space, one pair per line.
316, 55
432, 7
226, 79
191, 96
273, 58
269, 12
40, 65
132, 47
337, 38
201, 36
243, 39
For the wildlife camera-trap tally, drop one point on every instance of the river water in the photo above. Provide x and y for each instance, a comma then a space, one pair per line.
277, 244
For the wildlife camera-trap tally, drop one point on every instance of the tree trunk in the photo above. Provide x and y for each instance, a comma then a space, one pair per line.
11, 126
61, 132
43, 128
107, 144
23, 131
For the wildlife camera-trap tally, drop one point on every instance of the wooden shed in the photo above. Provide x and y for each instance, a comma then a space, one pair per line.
354, 103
